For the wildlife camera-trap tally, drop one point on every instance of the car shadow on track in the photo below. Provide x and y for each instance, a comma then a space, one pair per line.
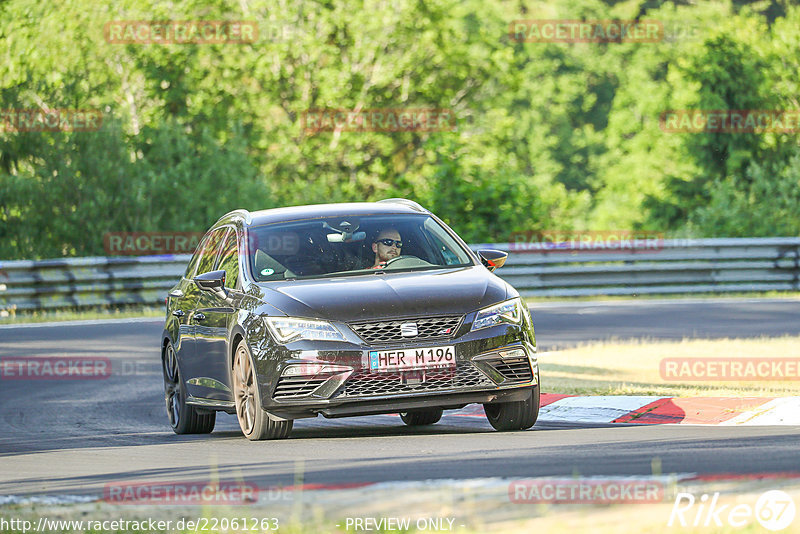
227, 430
376, 426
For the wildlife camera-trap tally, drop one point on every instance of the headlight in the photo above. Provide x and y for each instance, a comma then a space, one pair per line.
286, 329
508, 312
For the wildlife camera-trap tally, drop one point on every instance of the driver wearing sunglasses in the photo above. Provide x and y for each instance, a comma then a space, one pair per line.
386, 246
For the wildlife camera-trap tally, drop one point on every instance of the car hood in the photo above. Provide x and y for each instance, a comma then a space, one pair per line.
440, 292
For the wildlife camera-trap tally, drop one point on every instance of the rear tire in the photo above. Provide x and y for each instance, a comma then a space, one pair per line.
518, 415
184, 418
422, 417
256, 425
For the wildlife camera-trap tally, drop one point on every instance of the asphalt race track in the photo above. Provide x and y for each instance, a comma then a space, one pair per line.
75, 436
559, 325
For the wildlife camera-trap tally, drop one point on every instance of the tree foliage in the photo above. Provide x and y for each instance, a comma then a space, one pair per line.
548, 135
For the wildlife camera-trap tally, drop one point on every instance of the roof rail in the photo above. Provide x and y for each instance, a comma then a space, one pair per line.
404, 202
243, 213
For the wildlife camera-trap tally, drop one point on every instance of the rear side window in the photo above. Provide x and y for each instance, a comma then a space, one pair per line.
211, 248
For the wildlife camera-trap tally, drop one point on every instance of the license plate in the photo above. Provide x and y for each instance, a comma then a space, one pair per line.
417, 358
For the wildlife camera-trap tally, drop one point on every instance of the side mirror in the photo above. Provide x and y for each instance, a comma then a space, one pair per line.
213, 281
493, 259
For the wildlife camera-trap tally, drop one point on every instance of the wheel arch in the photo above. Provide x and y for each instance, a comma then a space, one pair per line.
237, 335
165, 339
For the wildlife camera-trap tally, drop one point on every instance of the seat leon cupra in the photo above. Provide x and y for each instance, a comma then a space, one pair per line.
344, 310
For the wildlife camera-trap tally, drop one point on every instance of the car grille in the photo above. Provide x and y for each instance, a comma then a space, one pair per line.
428, 328
366, 383
297, 386
516, 369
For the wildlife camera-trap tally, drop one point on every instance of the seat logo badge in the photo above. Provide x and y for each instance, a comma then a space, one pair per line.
408, 329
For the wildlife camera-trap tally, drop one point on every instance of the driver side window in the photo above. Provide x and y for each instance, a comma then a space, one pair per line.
191, 269
210, 251
229, 261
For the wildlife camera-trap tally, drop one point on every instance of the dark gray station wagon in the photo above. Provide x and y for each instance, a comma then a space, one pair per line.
344, 310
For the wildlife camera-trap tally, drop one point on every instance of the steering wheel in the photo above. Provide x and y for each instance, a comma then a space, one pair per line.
406, 261
398, 258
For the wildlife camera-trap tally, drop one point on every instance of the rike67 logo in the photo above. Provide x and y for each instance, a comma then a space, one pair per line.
774, 510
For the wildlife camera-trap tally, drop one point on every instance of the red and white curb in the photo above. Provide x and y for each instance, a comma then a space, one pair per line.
652, 410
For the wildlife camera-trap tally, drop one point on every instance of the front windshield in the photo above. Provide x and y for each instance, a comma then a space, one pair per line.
348, 245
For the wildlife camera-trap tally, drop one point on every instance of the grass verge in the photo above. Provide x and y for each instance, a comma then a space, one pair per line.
633, 368
83, 314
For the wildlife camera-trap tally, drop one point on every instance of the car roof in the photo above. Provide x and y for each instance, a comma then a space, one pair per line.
389, 206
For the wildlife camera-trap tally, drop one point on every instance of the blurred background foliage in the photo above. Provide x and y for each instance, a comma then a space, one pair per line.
550, 136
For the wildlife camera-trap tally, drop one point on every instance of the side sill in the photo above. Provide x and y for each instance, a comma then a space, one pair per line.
212, 404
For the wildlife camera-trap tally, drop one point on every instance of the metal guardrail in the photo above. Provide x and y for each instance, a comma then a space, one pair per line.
674, 266
85, 282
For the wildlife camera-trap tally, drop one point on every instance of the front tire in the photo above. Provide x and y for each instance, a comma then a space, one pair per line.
422, 417
253, 420
184, 418
518, 415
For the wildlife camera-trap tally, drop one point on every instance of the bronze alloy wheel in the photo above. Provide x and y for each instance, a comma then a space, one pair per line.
255, 423
244, 390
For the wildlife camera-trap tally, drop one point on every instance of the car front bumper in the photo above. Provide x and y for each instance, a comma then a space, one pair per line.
496, 365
